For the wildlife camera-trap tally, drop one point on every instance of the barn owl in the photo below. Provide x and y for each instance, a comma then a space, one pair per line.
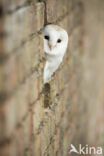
55, 45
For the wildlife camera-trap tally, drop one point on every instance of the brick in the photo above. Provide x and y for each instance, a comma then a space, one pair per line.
45, 136
9, 149
57, 149
9, 76
11, 5
22, 102
26, 130
7, 119
56, 9
22, 136
37, 145
21, 24
38, 116
77, 38
25, 59
20, 141
33, 92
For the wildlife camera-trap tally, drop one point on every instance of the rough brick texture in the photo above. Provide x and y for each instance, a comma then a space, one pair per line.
26, 128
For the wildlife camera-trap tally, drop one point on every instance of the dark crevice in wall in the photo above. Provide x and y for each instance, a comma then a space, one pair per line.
47, 95
45, 12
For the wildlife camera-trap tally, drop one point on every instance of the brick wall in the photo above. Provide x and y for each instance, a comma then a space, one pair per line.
26, 129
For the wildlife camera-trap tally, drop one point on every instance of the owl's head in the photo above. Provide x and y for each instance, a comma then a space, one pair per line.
55, 39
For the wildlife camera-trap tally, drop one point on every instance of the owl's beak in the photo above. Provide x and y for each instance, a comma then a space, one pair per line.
50, 46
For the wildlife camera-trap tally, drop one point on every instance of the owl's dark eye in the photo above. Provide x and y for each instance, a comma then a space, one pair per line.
59, 40
46, 37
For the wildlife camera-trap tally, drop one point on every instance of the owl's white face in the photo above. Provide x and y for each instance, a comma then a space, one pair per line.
55, 40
